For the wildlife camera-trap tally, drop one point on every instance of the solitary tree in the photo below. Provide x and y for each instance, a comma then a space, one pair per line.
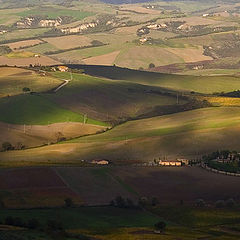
68, 202
151, 65
160, 226
26, 89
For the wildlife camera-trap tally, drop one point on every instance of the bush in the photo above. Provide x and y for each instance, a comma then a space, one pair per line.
7, 146
219, 204
9, 220
68, 202
54, 225
33, 224
26, 89
143, 202
151, 65
160, 226
200, 203
155, 201
230, 203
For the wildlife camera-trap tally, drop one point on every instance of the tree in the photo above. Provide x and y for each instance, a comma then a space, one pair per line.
230, 203
151, 65
26, 89
6, 146
120, 202
68, 202
220, 204
130, 203
33, 224
160, 226
9, 220
200, 202
154, 201
143, 202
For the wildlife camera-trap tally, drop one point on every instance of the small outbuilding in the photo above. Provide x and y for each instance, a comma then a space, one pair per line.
63, 68
100, 162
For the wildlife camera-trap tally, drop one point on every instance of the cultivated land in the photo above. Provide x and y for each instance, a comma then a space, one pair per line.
13, 80
177, 135
128, 117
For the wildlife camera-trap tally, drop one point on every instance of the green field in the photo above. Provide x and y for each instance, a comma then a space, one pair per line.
13, 80
17, 35
36, 109
95, 218
201, 84
177, 135
180, 123
55, 12
116, 224
110, 100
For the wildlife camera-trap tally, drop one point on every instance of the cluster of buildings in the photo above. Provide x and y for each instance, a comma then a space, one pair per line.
80, 28
34, 21
232, 157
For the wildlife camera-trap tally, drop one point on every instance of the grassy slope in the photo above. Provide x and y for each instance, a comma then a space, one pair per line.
201, 119
108, 100
93, 218
32, 109
202, 84
13, 80
185, 134
54, 13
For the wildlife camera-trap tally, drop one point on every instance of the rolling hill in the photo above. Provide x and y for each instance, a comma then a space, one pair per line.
182, 83
188, 134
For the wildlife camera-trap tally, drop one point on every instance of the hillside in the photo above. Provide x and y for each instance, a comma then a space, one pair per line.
183, 83
177, 135
112, 101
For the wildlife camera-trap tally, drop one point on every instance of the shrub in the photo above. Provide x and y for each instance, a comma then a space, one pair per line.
200, 203
230, 203
220, 204
7, 146
68, 202
151, 65
160, 226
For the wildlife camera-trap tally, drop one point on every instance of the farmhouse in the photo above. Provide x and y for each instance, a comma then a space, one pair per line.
175, 163
62, 68
100, 162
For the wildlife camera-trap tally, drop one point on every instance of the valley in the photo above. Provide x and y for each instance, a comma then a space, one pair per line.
119, 120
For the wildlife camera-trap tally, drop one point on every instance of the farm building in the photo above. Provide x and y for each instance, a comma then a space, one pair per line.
183, 161
170, 163
100, 162
62, 68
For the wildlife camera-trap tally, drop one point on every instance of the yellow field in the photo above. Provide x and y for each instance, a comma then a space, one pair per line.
13, 80
26, 43
222, 101
22, 62
106, 59
67, 42
37, 135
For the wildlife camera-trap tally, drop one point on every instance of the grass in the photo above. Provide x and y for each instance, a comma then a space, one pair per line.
13, 80
198, 217
221, 101
200, 119
33, 109
95, 218
20, 54
181, 135
109, 100
55, 12
202, 84
17, 35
